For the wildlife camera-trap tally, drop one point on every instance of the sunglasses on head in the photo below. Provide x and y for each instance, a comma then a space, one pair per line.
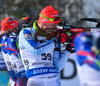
58, 18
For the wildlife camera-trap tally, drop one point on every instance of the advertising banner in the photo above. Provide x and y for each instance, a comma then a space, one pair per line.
69, 75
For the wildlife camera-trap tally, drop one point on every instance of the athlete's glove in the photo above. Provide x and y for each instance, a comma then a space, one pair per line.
71, 36
65, 36
60, 38
70, 48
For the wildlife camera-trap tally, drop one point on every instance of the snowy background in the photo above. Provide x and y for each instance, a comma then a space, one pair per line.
71, 11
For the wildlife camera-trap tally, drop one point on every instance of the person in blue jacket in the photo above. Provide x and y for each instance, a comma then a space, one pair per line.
4, 74
40, 51
87, 46
7, 25
12, 56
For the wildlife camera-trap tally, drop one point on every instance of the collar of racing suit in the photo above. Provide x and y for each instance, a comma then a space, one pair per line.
35, 26
37, 29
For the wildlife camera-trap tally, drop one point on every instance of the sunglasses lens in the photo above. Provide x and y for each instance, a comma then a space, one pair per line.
57, 19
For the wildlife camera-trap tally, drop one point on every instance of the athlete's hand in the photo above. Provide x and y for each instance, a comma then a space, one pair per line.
65, 37
60, 38
70, 48
71, 36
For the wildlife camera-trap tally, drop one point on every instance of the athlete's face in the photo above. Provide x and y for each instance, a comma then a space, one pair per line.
8, 30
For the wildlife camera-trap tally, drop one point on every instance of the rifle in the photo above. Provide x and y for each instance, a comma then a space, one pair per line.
64, 27
78, 29
75, 29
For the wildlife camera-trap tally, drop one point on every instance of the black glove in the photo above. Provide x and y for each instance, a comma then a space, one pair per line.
65, 37
70, 47
61, 37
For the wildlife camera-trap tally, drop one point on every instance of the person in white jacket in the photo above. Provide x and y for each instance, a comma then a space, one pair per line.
40, 51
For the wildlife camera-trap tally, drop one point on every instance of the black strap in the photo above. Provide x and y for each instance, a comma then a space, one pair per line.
57, 49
